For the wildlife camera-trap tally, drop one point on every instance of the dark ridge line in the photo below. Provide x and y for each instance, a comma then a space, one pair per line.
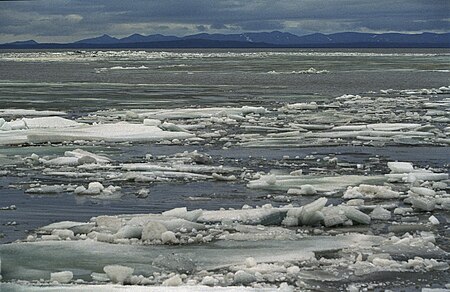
205, 44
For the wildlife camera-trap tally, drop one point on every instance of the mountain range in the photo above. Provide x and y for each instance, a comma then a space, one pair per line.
272, 39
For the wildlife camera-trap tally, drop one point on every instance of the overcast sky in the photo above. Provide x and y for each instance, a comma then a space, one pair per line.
69, 20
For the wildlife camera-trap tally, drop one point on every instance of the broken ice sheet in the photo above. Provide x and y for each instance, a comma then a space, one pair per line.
33, 261
320, 183
59, 130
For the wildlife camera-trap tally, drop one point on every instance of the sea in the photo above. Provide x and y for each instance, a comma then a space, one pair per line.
83, 83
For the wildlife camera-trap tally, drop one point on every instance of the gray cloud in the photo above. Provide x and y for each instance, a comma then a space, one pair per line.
66, 20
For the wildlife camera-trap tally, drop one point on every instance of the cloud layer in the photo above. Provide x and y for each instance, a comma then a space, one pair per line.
68, 20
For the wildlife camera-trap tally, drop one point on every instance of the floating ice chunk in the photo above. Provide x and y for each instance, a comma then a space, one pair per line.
18, 125
296, 172
260, 216
184, 214
209, 281
445, 203
417, 175
142, 193
86, 160
198, 113
176, 212
315, 127
110, 223
402, 211
118, 132
124, 68
400, 167
5, 126
172, 127
355, 215
103, 237
250, 262
179, 170
433, 220
292, 217
253, 109
439, 185
131, 115
169, 237
425, 175
11, 207
80, 153
153, 231
310, 213
118, 274
129, 231
301, 106
13, 125
49, 122
152, 122
63, 233
380, 213
355, 202
392, 126
50, 238
320, 183
386, 263
220, 177
30, 112
370, 191
80, 190
198, 158
423, 191
177, 224
173, 281
423, 204
45, 189
306, 190
60, 161
350, 128
175, 262
77, 227
333, 216
61, 277
293, 271
307, 71
97, 189
243, 278
110, 190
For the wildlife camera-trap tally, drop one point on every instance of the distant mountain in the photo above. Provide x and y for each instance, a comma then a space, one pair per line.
25, 43
138, 38
282, 38
274, 37
254, 40
104, 39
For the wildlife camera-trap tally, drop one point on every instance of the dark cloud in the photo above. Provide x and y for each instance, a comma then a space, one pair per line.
65, 20
202, 28
218, 26
261, 25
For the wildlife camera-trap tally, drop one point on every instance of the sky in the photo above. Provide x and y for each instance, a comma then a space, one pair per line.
71, 20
